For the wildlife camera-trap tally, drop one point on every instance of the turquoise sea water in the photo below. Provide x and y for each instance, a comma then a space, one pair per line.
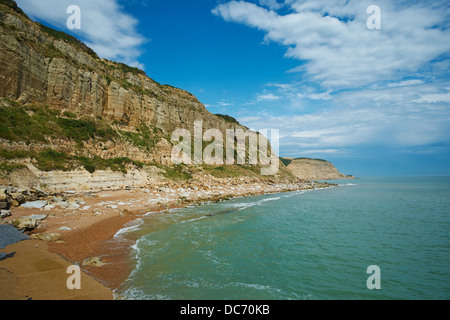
301, 245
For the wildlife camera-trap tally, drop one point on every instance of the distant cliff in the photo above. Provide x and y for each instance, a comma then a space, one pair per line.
313, 169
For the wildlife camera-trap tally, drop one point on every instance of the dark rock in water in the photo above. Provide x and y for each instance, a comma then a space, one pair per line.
4, 256
10, 235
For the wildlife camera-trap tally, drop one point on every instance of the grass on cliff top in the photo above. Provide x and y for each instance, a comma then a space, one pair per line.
59, 35
13, 5
126, 68
227, 118
286, 162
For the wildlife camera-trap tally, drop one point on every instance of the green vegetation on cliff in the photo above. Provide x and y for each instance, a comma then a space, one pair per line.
68, 38
13, 5
41, 124
49, 160
227, 118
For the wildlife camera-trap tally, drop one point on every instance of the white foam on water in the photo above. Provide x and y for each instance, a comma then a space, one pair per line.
133, 225
134, 294
150, 213
255, 286
195, 219
270, 199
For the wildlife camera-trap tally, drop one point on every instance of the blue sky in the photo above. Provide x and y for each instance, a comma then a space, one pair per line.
374, 102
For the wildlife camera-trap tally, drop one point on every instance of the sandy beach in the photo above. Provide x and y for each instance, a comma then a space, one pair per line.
79, 227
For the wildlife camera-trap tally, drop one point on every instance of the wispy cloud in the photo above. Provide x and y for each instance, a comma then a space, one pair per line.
434, 97
387, 117
355, 87
105, 27
267, 97
411, 82
332, 40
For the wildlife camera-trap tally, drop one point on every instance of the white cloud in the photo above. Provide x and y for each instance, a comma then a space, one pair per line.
105, 27
356, 87
405, 83
267, 97
224, 103
434, 97
335, 46
320, 96
363, 118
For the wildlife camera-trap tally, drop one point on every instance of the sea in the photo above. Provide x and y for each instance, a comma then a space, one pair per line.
305, 245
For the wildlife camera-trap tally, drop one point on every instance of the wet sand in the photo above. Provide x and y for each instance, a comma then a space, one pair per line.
31, 272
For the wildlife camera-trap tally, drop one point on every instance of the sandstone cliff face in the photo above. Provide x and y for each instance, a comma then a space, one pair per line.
131, 115
46, 67
313, 169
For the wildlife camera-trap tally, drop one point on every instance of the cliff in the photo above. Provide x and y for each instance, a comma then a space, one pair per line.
39, 65
65, 112
313, 169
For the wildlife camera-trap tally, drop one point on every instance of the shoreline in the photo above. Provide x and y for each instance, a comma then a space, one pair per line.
86, 228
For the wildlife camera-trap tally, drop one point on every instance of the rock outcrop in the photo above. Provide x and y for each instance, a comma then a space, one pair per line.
313, 169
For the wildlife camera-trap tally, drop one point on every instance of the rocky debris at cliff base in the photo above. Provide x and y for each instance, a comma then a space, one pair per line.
11, 197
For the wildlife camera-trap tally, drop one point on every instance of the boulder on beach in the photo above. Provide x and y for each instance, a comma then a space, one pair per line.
38, 217
47, 237
35, 204
93, 262
24, 223
5, 213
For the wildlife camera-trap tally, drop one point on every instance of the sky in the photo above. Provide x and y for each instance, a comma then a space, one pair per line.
375, 102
